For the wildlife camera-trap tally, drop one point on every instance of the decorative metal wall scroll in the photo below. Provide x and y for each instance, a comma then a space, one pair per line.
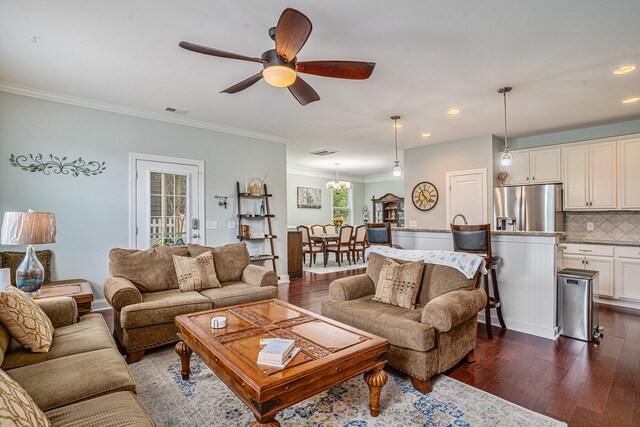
57, 165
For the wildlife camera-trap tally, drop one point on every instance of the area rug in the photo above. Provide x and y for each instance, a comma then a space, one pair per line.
204, 400
332, 265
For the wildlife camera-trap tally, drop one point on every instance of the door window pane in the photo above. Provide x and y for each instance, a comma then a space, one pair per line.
168, 204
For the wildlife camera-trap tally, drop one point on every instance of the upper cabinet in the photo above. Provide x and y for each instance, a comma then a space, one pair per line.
629, 173
539, 166
590, 176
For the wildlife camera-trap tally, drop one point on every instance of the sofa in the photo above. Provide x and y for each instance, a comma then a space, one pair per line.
143, 290
425, 341
82, 380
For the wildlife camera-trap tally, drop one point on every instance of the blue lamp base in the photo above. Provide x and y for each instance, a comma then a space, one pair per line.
30, 273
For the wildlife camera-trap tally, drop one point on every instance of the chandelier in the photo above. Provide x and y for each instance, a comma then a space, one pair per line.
337, 184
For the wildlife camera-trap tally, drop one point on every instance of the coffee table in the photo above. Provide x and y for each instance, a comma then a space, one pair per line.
331, 353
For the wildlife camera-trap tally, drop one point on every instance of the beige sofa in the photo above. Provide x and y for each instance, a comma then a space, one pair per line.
143, 290
430, 339
83, 380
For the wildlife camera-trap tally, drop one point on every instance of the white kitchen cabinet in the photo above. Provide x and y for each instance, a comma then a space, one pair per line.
589, 176
628, 272
593, 257
629, 173
545, 166
540, 166
605, 266
575, 173
602, 176
519, 169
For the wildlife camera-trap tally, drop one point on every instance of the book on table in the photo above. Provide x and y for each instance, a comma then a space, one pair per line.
282, 365
276, 351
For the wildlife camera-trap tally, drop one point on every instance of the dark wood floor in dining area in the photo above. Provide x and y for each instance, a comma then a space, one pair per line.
583, 384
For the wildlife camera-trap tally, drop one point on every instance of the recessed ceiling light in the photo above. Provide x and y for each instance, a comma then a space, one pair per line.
624, 70
630, 100
425, 135
397, 125
453, 112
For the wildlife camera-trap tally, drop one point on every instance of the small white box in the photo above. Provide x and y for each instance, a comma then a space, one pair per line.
218, 322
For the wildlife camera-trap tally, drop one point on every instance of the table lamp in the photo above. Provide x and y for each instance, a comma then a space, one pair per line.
29, 228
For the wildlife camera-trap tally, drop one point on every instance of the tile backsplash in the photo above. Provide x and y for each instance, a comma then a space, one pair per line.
615, 226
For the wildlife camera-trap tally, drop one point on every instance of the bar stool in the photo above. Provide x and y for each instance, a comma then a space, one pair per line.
476, 239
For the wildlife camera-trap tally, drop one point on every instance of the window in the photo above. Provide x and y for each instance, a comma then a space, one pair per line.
341, 205
168, 220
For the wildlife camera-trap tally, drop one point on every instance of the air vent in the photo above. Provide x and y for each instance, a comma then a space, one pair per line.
324, 152
176, 110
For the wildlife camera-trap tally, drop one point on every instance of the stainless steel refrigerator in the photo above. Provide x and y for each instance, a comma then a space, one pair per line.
529, 208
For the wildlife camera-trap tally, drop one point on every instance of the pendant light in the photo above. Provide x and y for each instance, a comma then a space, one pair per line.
506, 159
337, 184
397, 170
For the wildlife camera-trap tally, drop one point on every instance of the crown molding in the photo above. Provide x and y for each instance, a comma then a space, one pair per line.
318, 173
382, 177
151, 115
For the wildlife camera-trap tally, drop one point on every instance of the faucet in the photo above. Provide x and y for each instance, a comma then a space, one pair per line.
453, 221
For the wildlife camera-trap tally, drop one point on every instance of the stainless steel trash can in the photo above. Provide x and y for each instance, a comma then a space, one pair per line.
577, 310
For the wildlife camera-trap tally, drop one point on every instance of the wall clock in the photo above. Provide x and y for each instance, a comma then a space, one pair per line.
425, 196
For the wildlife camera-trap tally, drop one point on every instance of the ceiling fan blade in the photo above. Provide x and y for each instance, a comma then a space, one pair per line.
303, 92
217, 52
292, 32
354, 70
244, 84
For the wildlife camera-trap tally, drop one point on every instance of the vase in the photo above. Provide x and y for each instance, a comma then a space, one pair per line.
30, 273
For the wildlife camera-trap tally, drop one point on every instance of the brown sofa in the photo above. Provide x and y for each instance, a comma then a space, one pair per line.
83, 380
143, 290
430, 339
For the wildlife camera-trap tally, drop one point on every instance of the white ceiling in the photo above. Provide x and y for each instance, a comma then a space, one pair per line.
430, 56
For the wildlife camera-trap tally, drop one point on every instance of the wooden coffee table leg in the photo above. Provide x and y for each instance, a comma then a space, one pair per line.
184, 352
375, 379
271, 423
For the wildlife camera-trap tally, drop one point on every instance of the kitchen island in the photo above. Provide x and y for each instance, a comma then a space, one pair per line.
528, 262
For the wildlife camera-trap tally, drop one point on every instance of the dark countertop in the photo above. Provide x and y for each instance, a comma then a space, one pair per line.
600, 242
494, 232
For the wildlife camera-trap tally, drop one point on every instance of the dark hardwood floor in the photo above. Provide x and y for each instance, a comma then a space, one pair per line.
583, 384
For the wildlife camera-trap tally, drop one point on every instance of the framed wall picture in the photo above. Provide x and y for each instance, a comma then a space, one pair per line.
309, 198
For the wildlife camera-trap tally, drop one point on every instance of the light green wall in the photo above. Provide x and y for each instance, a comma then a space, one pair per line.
594, 132
432, 162
305, 216
93, 212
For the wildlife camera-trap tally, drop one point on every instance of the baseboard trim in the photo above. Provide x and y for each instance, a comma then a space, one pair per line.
284, 280
550, 334
100, 305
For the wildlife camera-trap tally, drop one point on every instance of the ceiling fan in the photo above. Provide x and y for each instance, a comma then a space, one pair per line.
281, 65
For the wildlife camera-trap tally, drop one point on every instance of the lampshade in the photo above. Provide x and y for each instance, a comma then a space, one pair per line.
26, 228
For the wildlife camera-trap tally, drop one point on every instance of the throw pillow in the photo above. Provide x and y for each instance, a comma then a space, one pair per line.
17, 409
399, 283
25, 320
196, 274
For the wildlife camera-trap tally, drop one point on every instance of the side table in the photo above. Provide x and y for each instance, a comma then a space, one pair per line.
78, 289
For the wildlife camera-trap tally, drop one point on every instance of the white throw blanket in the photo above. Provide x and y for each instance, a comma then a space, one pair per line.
467, 264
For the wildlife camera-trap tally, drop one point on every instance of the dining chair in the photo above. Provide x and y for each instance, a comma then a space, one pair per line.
308, 247
379, 234
317, 229
476, 239
359, 243
344, 244
330, 229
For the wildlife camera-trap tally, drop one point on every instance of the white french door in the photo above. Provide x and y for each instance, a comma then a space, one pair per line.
168, 201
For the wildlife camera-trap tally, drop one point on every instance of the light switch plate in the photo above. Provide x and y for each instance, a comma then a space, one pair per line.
589, 226
212, 225
413, 223
231, 224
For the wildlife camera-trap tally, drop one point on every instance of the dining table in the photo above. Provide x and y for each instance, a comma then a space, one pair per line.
324, 239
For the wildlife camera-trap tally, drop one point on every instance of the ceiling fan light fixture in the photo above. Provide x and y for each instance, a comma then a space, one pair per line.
279, 75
